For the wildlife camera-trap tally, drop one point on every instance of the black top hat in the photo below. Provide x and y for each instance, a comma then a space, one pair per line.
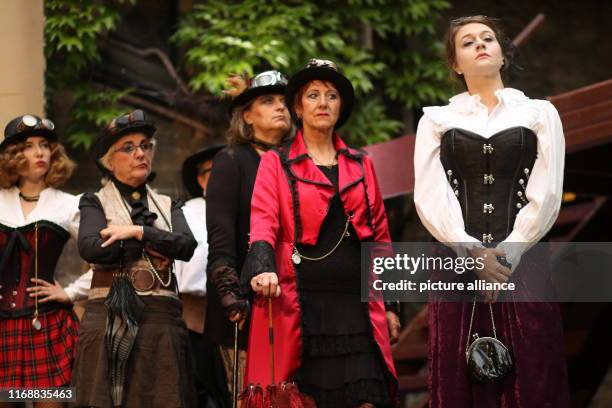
22, 127
190, 168
133, 122
323, 70
265, 83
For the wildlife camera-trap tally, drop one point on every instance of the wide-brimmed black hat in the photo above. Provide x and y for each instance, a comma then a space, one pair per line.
22, 127
322, 70
133, 122
190, 168
265, 83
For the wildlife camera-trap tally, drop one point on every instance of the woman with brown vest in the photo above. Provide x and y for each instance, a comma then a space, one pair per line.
133, 345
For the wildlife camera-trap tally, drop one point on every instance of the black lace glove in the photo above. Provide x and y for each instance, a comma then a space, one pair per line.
260, 259
225, 280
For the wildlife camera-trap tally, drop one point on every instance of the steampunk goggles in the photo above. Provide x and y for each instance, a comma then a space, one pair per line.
32, 122
268, 78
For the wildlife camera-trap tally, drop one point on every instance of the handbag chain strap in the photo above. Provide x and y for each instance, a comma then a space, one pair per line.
467, 343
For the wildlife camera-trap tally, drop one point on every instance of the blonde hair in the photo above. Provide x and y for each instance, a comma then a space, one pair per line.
13, 161
105, 160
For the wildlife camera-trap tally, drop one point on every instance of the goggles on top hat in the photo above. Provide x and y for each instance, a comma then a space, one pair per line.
135, 117
268, 78
31, 122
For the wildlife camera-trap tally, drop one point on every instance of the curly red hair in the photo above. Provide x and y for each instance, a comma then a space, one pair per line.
12, 161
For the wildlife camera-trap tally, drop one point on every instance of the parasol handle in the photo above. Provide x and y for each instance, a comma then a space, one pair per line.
271, 339
235, 376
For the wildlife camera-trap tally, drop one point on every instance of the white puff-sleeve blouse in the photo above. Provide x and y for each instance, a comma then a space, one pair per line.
437, 205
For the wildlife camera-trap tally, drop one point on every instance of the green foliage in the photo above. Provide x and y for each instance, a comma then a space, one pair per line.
73, 29
387, 48
93, 109
370, 124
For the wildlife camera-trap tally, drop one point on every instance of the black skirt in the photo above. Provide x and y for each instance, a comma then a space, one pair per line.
342, 365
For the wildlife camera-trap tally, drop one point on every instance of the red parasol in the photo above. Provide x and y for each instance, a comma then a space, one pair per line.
282, 395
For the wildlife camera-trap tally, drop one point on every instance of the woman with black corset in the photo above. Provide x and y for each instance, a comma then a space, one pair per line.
488, 182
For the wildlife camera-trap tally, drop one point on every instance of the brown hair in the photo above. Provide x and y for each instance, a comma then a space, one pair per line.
494, 24
240, 132
300, 93
12, 161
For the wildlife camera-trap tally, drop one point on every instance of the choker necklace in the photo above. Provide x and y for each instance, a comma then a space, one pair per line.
265, 146
29, 199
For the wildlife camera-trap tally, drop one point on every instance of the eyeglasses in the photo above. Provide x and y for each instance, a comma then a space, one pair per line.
268, 78
32, 122
146, 147
322, 63
129, 119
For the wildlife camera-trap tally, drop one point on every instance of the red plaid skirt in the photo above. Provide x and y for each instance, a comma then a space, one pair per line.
32, 358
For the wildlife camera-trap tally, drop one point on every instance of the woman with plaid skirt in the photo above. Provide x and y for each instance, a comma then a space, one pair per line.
38, 329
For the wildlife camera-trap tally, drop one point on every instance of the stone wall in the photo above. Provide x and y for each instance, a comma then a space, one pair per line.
22, 63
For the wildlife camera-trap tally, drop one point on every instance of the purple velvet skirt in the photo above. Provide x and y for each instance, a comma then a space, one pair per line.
533, 333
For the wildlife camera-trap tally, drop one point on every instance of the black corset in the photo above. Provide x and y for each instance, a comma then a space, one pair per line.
489, 177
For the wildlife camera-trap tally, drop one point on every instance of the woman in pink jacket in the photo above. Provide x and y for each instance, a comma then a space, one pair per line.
315, 200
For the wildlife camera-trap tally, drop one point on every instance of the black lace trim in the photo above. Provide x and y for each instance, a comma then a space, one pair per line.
225, 281
260, 259
351, 395
295, 201
337, 345
369, 218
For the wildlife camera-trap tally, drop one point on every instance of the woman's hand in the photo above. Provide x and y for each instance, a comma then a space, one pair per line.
120, 233
393, 322
238, 316
266, 284
492, 271
48, 292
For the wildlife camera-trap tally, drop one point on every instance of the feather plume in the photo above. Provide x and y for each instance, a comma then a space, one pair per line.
237, 84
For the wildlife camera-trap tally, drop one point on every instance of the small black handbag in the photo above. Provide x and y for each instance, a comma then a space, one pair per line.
487, 358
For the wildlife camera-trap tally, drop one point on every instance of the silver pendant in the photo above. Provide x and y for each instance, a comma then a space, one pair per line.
36, 323
295, 257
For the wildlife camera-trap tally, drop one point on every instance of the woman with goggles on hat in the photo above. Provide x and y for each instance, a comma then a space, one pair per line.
259, 121
133, 346
315, 200
38, 329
